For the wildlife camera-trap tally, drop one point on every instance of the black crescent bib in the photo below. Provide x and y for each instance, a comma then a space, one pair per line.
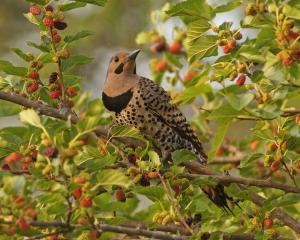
117, 103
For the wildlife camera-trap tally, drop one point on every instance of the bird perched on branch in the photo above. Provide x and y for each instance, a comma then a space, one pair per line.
142, 103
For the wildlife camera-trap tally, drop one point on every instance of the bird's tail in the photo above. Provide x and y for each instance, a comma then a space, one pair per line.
218, 196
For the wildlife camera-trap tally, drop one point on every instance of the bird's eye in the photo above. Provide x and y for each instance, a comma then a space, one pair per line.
116, 59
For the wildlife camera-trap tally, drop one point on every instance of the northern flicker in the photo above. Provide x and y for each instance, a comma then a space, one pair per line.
140, 102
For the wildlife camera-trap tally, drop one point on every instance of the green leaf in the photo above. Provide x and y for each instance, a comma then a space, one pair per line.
10, 69
218, 139
191, 93
126, 131
4, 83
291, 12
31, 18
143, 38
251, 53
74, 61
9, 109
40, 2
154, 158
281, 201
111, 177
154, 193
205, 181
72, 5
192, 8
30, 117
95, 2
77, 36
25, 56
205, 46
182, 155
228, 6
225, 113
43, 47
239, 102
172, 59
196, 29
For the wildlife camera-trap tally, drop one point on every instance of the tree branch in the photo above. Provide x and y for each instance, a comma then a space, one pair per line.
194, 167
249, 182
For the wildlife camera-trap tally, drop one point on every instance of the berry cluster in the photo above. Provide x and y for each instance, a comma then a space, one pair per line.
227, 38
252, 9
81, 192
240, 69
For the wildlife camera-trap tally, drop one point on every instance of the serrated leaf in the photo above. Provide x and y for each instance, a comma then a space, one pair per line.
281, 201
74, 61
40, 2
291, 12
23, 55
126, 131
113, 177
9, 109
224, 113
77, 36
182, 155
205, 46
228, 6
172, 59
239, 102
154, 158
72, 5
31, 18
43, 47
29, 116
196, 29
94, 2
154, 193
192, 8
10, 69
191, 93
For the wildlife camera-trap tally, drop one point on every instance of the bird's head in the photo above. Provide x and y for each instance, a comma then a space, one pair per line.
123, 62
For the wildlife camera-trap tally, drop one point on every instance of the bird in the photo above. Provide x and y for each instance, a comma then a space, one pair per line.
145, 105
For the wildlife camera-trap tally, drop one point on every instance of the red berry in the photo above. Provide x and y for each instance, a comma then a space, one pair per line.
161, 66
226, 49
189, 75
79, 179
268, 222
175, 48
241, 80
219, 151
34, 154
145, 180
253, 145
34, 75
70, 103
54, 94
120, 195
56, 38
153, 174
12, 158
293, 35
23, 224
296, 55
51, 152
11, 230
35, 10
30, 212
33, 87
231, 43
5, 167
176, 189
71, 91
77, 193
273, 147
86, 202
22, 94
85, 140
275, 166
287, 61
19, 200
48, 22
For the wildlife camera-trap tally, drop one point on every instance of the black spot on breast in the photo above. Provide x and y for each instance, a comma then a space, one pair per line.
118, 103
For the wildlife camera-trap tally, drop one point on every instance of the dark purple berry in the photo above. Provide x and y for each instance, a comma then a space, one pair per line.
60, 25
51, 152
189, 221
205, 236
145, 180
132, 158
49, 8
197, 218
53, 77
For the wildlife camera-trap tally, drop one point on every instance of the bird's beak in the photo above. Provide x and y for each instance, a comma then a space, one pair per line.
132, 55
